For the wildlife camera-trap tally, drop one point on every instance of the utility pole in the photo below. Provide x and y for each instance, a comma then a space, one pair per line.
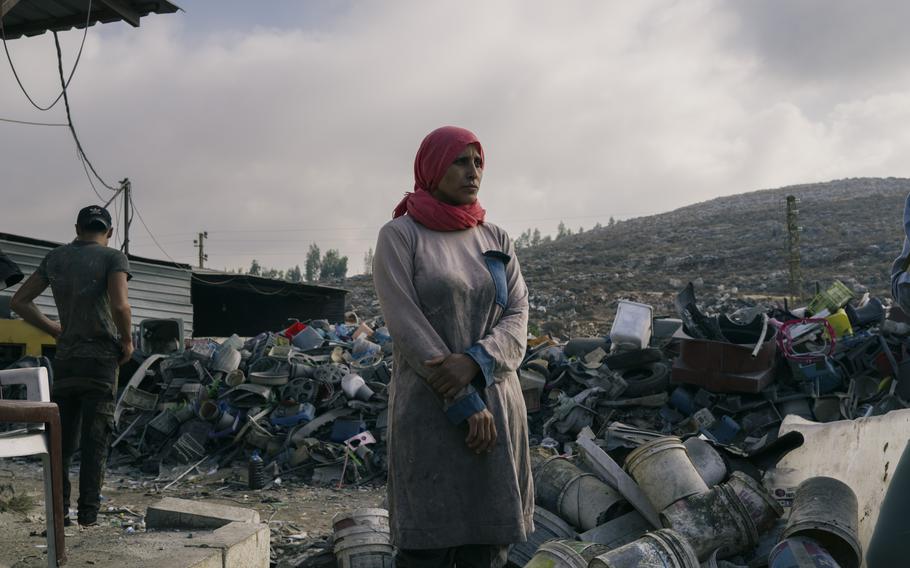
126, 187
200, 244
793, 230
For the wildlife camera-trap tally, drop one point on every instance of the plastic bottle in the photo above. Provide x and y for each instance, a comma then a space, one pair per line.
256, 472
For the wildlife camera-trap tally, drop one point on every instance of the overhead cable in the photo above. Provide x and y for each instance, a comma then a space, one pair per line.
88, 16
69, 118
31, 123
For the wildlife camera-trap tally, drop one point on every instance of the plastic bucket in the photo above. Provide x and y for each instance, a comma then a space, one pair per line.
234, 378
363, 547
664, 472
226, 359
374, 518
632, 325
800, 552
664, 548
707, 461
566, 554
308, 339
762, 506
580, 498
825, 510
716, 520
547, 526
212, 412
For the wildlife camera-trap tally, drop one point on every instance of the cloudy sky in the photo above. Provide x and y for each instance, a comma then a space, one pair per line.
273, 125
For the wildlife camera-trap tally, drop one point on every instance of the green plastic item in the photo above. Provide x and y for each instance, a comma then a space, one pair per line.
832, 299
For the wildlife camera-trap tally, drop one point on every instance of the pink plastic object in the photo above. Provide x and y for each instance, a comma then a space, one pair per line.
786, 342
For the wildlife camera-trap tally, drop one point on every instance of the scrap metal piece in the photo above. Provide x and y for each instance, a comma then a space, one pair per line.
613, 475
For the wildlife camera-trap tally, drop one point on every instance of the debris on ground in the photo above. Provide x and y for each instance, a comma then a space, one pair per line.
649, 444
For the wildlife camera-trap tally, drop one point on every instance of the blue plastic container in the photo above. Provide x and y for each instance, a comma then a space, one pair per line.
798, 552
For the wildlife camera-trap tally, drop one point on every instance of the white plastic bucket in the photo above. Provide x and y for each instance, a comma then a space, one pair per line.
664, 472
631, 326
363, 546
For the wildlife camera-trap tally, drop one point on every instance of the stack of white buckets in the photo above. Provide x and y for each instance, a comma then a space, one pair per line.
362, 539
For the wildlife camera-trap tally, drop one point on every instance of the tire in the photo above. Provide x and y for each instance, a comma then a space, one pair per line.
633, 359
649, 379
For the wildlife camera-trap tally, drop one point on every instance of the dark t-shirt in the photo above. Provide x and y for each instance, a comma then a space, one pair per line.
78, 274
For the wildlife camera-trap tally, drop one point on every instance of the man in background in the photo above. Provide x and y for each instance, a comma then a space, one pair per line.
89, 283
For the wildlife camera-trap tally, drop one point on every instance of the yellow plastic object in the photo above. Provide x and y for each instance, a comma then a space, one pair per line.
832, 299
841, 323
18, 332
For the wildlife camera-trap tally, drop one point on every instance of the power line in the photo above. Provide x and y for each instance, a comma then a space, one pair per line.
69, 117
147, 230
88, 175
88, 17
31, 123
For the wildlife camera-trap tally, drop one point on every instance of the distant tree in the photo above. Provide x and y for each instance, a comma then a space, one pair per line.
294, 274
611, 222
598, 226
547, 239
313, 264
561, 231
333, 265
368, 262
273, 273
255, 268
524, 240
581, 230
535, 238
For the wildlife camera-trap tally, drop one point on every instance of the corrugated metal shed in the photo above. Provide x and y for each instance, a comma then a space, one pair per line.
34, 17
158, 289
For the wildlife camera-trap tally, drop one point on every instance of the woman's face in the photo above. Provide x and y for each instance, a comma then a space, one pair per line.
461, 182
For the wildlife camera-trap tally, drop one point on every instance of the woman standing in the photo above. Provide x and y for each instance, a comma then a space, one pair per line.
460, 486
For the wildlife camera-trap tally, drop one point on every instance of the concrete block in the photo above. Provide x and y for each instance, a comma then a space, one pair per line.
250, 548
182, 514
242, 545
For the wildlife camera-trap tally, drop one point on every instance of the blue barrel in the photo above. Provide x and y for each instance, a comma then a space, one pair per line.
799, 552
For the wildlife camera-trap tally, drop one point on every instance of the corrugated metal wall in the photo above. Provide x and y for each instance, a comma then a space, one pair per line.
155, 291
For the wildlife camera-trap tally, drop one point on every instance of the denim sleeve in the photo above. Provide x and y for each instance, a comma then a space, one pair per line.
465, 407
483, 359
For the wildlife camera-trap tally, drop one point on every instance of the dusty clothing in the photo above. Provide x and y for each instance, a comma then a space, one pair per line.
468, 556
86, 362
77, 273
443, 293
86, 420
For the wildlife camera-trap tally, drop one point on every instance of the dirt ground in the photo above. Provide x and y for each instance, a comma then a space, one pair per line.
299, 516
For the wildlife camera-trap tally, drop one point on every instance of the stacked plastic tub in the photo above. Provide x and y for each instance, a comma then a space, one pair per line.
362, 539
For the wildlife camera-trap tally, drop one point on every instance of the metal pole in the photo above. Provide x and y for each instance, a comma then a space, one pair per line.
793, 229
126, 186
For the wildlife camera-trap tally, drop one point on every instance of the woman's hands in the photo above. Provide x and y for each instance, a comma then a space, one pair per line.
481, 432
450, 374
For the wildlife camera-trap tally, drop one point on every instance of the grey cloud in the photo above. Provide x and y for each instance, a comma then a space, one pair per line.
622, 108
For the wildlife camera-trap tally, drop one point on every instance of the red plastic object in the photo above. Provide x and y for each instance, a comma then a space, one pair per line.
293, 330
725, 367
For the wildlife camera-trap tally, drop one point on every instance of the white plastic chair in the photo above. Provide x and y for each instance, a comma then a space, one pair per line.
40, 438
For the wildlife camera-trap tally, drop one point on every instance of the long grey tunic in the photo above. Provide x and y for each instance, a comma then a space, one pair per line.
440, 294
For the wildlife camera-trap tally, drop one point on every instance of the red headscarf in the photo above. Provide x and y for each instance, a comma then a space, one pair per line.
437, 152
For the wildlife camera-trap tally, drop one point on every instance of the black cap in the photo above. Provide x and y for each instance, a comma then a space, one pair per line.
90, 217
